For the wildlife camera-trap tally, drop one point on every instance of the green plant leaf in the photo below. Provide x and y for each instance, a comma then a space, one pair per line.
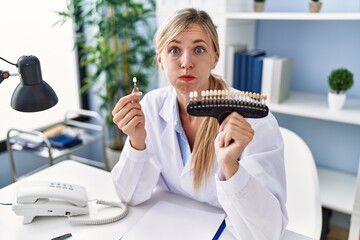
340, 80
117, 45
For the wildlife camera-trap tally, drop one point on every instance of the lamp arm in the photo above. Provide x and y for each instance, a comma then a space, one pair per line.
5, 74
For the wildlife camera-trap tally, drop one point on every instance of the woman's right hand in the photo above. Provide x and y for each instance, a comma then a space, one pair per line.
129, 117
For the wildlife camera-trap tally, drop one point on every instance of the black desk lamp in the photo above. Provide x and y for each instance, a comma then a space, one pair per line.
32, 94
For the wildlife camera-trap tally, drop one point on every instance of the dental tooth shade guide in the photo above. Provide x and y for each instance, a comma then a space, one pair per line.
220, 103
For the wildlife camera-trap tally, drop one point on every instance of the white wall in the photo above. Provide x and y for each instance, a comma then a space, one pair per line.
27, 28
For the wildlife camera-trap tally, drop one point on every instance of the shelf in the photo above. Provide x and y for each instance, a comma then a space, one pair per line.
293, 16
337, 190
88, 131
57, 152
315, 106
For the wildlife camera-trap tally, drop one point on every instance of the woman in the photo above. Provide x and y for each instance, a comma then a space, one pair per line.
237, 166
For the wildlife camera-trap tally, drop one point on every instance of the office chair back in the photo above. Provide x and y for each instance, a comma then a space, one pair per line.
303, 196
354, 231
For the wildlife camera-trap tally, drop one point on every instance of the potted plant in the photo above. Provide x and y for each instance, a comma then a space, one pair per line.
259, 5
340, 80
114, 46
315, 6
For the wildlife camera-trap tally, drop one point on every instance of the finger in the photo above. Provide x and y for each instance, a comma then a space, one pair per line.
220, 139
228, 139
134, 113
118, 116
133, 97
235, 132
133, 124
234, 117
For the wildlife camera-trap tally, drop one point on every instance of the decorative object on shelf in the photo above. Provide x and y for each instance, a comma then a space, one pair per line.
340, 80
315, 6
118, 47
32, 94
259, 5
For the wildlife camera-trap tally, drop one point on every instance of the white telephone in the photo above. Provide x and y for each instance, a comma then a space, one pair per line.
57, 199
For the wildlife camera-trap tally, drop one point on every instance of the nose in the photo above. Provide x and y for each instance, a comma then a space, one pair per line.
186, 61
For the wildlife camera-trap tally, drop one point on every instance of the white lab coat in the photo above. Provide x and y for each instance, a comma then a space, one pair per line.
254, 198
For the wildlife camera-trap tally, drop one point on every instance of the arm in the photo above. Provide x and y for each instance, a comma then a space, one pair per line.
254, 195
135, 175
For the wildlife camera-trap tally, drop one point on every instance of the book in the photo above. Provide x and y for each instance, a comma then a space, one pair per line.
240, 70
257, 75
276, 78
250, 61
282, 79
243, 68
230, 58
267, 75
64, 141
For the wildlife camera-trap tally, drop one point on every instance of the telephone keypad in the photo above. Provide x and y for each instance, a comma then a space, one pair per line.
61, 185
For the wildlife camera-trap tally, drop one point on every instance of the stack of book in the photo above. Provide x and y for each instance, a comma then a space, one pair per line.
254, 71
247, 67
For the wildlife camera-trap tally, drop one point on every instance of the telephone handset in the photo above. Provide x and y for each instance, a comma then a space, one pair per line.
45, 198
29, 192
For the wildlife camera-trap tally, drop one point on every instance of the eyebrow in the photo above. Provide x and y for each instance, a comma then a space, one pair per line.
195, 41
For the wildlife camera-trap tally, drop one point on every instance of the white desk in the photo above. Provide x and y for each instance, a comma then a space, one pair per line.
99, 185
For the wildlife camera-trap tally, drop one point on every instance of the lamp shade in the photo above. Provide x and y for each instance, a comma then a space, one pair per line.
32, 94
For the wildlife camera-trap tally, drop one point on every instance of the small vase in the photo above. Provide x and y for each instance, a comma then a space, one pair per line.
314, 7
259, 6
336, 101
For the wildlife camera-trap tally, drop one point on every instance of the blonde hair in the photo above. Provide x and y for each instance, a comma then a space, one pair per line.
181, 20
203, 150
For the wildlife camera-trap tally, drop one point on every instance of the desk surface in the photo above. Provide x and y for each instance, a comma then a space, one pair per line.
99, 185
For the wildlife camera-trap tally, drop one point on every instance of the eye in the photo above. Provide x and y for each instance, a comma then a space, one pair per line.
174, 50
199, 50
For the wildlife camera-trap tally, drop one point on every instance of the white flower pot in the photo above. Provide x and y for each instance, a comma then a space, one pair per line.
336, 101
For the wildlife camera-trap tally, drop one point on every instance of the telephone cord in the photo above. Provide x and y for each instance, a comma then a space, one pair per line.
87, 221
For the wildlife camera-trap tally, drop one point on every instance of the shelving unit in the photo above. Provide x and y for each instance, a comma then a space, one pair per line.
315, 106
94, 131
345, 185
301, 104
293, 16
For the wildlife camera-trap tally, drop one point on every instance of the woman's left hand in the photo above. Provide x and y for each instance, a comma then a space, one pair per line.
235, 133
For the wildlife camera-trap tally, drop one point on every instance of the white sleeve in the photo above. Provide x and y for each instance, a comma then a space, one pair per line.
135, 175
254, 198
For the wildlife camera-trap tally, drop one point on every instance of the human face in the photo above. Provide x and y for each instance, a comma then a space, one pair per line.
188, 59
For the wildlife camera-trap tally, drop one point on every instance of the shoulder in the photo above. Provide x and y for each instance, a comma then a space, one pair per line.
159, 92
269, 122
266, 128
157, 96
